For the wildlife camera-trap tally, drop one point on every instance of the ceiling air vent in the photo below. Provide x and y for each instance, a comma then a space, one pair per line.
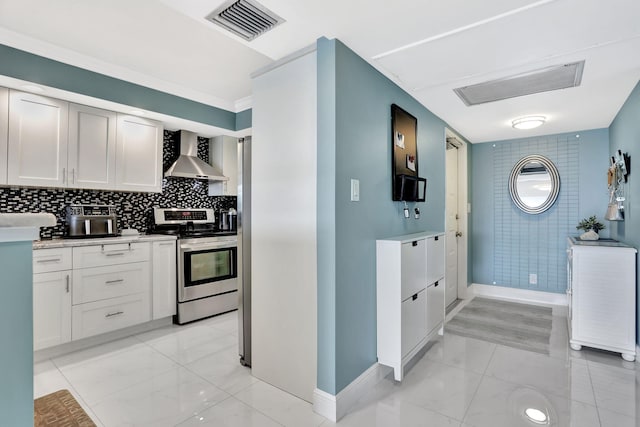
542, 80
245, 18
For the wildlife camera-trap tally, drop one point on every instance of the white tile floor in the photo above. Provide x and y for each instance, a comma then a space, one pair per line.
190, 376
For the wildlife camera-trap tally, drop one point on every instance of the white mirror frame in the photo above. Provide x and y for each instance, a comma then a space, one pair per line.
555, 184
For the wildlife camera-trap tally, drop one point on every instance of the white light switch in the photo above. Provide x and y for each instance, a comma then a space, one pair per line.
533, 279
355, 190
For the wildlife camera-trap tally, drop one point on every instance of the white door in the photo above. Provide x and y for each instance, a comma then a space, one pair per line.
4, 130
139, 154
452, 215
92, 148
51, 309
38, 136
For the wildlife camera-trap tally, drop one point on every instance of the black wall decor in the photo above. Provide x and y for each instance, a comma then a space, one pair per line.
404, 158
133, 209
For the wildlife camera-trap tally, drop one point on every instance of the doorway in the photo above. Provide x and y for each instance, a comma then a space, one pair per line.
456, 213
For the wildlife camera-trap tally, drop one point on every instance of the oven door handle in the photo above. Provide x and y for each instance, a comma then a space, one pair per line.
205, 246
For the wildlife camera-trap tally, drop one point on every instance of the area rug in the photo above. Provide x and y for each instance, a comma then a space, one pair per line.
59, 409
523, 326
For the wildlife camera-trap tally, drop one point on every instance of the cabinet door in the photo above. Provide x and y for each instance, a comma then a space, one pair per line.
223, 154
414, 321
164, 287
51, 309
435, 258
138, 154
413, 268
4, 131
92, 148
38, 136
435, 304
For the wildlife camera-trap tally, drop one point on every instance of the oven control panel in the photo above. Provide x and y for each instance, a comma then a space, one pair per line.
182, 216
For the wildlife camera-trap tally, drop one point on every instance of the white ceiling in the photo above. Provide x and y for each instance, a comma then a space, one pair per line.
427, 47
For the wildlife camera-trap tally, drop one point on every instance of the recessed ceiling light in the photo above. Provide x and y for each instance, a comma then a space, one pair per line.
137, 112
528, 122
32, 88
536, 415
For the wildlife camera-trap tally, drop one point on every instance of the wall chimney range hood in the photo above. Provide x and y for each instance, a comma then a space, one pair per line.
189, 165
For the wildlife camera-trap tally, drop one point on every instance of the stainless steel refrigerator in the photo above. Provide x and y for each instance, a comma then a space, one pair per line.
244, 250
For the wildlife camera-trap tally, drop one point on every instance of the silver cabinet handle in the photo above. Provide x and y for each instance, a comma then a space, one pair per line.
73, 175
42, 261
115, 254
166, 244
67, 287
117, 313
111, 282
64, 175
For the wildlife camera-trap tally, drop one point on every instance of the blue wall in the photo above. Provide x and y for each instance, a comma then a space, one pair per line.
37, 69
16, 334
354, 141
507, 244
624, 134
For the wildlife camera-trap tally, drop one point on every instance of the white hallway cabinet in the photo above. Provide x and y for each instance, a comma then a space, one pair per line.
410, 295
601, 291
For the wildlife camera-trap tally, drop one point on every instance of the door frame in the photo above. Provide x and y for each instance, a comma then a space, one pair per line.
464, 208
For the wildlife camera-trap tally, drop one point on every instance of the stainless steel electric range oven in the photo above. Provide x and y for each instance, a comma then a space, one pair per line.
207, 262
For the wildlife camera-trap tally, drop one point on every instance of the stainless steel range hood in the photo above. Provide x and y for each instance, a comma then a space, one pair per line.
189, 165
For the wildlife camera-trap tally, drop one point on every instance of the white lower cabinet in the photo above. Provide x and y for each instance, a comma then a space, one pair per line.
110, 314
410, 307
51, 309
164, 279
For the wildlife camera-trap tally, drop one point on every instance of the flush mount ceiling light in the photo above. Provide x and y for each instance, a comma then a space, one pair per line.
528, 122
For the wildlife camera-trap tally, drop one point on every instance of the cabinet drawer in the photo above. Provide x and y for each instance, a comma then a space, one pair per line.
435, 304
414, 321
413, 268
98, 283
48, 260
108, 315
103, 255
435, 258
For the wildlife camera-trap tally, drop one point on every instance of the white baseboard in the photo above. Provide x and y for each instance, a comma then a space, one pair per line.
336, 407
518, 295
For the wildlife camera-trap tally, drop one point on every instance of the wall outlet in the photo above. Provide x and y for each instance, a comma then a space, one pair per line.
533, 279
355, 190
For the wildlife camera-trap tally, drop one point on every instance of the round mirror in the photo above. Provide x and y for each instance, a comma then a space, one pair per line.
534, 184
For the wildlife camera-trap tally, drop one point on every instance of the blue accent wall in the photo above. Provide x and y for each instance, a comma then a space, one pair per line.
37, 69
354, 142
16, 334
508, 244
624, 135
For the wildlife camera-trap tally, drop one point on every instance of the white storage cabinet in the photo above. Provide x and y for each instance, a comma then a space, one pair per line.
111, 287
223, 153
4, 133
164, 279
51, 297
602, 296
410, 296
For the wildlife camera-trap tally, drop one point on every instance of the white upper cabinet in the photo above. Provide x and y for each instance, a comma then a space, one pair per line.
92, 148
223, 154
4, 131
139, 154
38, 135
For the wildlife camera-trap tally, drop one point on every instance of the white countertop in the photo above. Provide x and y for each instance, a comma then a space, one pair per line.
16, 227
67, 243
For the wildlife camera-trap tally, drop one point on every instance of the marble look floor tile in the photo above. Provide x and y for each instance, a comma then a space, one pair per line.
98, 377
613, 419
230, 413
395, 413
283, 407
434, 386
164, 400
616, 389
192, 344
461, 352
91, 354
223, 369
502, 404
596, 356
565, 378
